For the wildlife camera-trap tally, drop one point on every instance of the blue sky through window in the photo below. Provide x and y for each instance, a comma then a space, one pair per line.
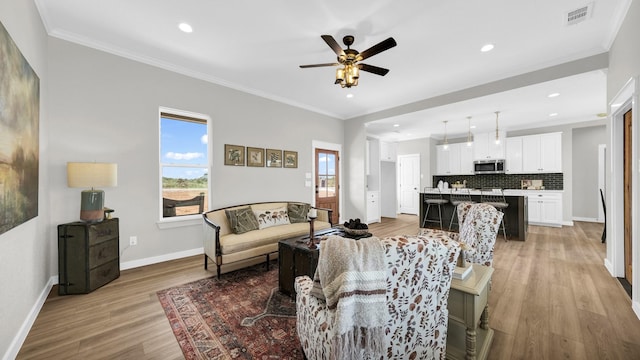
327, 164
183, 143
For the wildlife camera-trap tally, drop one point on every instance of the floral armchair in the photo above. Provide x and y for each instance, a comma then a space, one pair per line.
478, 232
480, 226
419, 271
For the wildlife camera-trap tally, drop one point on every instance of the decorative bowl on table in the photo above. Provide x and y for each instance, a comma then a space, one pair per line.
354, 227
355, 232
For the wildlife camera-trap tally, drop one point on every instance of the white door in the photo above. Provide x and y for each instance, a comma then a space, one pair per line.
409, 183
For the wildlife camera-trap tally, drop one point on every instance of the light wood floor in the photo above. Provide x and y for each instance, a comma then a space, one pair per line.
551, 298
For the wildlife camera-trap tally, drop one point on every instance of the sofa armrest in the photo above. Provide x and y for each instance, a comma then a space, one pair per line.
325, 215
211, 239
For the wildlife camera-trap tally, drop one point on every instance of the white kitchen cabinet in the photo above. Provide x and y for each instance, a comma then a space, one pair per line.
542, 153
456, 160
545, 208
513, 159
485, 146
388, 151
466, 159
443, 162
373, 207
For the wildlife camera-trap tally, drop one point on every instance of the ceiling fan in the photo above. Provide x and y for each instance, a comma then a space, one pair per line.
347, 76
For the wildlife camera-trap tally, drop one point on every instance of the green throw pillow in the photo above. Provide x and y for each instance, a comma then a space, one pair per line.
298, 212
242, 220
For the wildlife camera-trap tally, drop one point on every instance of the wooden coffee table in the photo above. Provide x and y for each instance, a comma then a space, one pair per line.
295, 258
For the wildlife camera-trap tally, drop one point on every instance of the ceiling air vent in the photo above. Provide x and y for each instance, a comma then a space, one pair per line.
579, 15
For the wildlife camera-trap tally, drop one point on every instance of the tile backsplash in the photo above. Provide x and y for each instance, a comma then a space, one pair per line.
553, 181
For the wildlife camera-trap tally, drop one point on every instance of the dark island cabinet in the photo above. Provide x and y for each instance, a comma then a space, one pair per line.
88, 255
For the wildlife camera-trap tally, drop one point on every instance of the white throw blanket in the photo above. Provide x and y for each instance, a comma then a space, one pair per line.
351, 277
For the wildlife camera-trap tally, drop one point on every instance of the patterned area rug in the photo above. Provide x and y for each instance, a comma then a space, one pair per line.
241, 316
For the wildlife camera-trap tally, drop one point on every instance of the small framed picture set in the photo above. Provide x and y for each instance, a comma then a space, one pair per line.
274, 158
255, 157
233, 155
290, 159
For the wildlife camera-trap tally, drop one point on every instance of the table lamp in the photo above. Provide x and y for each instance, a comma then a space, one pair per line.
92, 175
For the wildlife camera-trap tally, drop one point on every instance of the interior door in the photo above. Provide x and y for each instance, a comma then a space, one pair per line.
409, 183
328, 182
627, 196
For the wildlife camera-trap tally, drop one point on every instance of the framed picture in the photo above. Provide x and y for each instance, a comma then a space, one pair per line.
274, 158
290, 159
233, 155
255, 157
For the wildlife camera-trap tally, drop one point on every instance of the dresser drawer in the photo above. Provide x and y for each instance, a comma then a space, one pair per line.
103, 274
103, 252
102, 232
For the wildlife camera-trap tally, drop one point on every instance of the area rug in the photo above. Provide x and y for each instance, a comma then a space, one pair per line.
240, 316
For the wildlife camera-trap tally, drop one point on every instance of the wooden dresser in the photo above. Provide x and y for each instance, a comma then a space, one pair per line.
88, 255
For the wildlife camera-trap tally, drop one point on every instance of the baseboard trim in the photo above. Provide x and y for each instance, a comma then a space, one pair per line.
609, 267
585, 219
162, 258
18, 340
636, 308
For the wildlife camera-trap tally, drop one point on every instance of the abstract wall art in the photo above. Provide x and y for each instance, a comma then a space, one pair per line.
19, 135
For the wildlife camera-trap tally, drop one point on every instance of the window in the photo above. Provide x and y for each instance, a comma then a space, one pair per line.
184, 164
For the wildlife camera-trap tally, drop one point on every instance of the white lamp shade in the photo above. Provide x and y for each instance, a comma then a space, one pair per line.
91, 175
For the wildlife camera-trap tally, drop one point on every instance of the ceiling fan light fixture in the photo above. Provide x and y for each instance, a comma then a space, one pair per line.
339, 76
349, 72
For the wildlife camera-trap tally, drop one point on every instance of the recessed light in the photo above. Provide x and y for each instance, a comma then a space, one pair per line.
185, 27
552, 95
473, 126
487, 47
349, 96
553, 114
396, 125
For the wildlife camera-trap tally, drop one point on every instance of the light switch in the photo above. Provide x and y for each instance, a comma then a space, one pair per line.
307, 183
307, 175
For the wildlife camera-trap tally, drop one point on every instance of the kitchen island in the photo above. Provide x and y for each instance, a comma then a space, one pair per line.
515, 218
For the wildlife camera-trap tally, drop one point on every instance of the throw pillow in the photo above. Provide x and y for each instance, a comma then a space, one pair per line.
242, 220
271, 217
298, 212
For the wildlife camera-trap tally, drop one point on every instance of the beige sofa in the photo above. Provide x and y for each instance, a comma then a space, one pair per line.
224, 247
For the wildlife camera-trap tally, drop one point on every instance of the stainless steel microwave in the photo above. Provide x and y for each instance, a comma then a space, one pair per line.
494, 166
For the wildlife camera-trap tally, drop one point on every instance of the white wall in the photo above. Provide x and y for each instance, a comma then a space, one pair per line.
586, 195
24, 250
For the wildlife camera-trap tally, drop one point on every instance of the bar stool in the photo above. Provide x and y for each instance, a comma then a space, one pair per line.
495, 198
433, 196
458, 197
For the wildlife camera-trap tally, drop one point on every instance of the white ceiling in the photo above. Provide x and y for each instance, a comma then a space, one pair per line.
257, 47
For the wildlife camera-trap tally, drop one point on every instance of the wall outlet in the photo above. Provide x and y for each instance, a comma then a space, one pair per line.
133, 240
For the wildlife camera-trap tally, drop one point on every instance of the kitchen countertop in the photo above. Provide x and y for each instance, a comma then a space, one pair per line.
507, 192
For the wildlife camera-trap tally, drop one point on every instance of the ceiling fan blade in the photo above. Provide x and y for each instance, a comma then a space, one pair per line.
378, 48
333, 44
318, 65
373, 69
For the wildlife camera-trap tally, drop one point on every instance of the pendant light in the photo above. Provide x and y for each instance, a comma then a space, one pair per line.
469, 136
446, 141
497, 135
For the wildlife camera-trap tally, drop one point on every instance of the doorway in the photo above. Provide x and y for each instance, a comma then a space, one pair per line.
409, 183
327, 181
